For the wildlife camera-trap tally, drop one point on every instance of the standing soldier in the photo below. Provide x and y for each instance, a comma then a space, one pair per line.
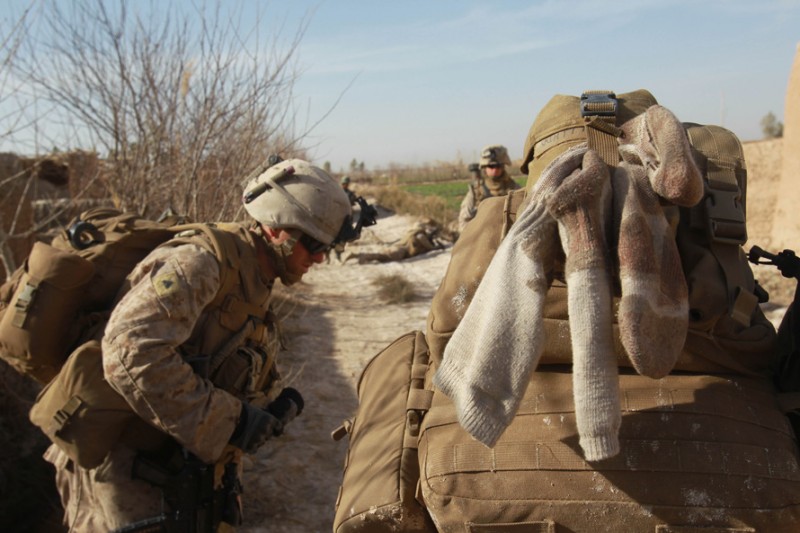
191, 348
497, 182
346, 186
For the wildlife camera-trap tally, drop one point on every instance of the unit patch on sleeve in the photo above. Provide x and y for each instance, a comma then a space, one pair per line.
166, 283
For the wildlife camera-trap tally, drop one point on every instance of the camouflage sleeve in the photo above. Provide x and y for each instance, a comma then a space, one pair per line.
468, 209
169, 291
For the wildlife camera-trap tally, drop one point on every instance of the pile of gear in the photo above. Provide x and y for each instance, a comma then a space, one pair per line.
595, 357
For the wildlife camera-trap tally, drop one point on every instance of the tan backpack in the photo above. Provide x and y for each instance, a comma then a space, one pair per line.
706, 448
52, 314
381, 472
64, 287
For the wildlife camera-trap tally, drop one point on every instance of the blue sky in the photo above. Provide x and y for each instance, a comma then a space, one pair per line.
414, 82
436, 80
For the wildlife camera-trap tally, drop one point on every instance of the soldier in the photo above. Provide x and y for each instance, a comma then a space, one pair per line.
425, 236
494, 159
346, 186
178, 469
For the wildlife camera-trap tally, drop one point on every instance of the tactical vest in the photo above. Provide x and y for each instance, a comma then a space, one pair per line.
238, 316
481, 191
234, 344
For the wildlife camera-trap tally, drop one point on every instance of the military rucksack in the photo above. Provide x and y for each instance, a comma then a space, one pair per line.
381, 472
694, 431
704, 448
64, 288
52, 314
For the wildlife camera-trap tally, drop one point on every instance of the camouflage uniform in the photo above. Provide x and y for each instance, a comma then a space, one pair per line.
156, 325
421, 239
481, 189
491, 185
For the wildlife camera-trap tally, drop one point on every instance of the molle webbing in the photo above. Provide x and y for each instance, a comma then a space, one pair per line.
540, 437
692, 450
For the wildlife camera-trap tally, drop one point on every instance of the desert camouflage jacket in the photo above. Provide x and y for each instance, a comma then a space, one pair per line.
168, 306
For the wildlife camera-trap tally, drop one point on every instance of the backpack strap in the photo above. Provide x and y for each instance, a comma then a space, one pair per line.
723, 213
599, 111
222, 244
511, 208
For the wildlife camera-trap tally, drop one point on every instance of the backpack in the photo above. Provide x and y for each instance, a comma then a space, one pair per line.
704, 448
52, 313
695, 443
63, 287
381, 472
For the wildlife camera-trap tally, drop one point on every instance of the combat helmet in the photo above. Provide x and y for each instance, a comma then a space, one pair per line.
494, 154
293, 194
566, 121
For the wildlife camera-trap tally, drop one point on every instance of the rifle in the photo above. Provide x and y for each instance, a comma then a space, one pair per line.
188, 489
787, 372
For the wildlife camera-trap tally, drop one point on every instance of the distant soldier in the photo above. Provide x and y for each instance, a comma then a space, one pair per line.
346, 186
425, 236
497, 182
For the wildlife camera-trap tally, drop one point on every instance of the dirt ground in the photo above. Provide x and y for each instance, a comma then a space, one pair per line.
337, 322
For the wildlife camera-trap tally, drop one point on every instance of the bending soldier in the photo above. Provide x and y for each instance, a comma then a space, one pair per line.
497, 182
196, 415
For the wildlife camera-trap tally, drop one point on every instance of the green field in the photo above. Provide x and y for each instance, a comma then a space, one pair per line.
452, 191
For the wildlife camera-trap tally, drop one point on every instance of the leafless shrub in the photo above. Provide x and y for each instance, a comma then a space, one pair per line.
181, 104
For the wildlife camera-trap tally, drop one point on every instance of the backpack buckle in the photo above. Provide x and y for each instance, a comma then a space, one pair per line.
23, 304
726, 219
598, 104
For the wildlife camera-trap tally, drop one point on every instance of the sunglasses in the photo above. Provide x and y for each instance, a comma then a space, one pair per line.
493, 165
314, 246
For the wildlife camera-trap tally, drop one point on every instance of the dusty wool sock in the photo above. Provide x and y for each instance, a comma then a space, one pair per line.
657, 140
582, 207
489, 359
653, 311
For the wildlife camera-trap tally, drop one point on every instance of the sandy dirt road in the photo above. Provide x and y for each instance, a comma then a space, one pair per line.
337, 323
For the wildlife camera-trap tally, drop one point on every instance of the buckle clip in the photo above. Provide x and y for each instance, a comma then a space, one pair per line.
726, 222
598, 104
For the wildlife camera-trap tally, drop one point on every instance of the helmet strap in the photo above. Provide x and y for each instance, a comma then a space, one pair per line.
279, 253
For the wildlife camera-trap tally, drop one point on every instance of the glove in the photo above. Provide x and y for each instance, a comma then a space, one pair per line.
288, 405
254, 428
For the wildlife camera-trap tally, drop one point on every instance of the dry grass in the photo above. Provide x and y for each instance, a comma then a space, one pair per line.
395, 289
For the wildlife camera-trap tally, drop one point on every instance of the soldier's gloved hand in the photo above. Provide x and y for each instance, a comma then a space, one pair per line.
254, 428
288, 405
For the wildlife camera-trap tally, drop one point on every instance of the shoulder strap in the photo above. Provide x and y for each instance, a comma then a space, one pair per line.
223, 245
512, 206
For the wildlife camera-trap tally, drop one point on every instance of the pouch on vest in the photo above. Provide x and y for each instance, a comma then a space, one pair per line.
381, 474
36, 327
79, 411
